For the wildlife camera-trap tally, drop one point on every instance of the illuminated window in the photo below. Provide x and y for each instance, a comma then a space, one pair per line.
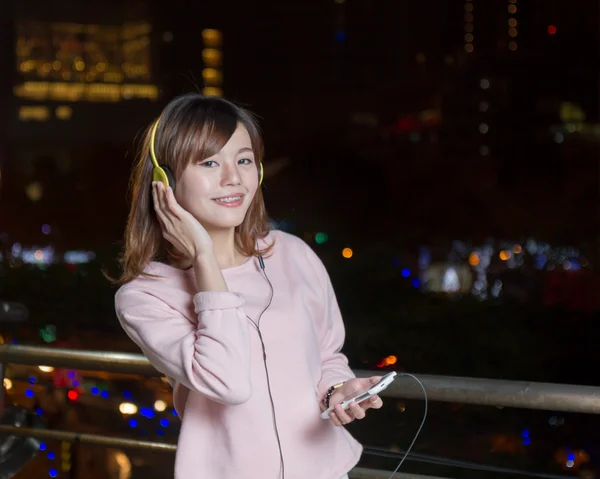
34, 113
212, 91
212, 77
211, 57
63, 112
72, 55
212, 37
96, 92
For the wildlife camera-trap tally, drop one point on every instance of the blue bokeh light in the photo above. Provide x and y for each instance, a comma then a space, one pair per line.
146, 412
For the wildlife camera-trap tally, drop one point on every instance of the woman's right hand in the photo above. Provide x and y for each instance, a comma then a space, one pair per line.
179, 227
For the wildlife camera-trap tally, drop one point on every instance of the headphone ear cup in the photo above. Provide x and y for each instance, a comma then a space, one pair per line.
170, 176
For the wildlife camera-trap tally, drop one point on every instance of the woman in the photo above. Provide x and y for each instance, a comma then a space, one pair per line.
243, 321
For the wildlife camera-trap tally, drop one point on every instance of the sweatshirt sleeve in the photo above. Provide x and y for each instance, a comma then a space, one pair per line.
331, 332
211, 357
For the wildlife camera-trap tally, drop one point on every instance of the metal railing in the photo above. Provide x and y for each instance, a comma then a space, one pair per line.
488, 392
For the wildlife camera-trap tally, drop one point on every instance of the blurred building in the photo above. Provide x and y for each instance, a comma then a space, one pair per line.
84, 81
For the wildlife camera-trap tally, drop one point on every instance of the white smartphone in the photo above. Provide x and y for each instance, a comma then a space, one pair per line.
364, 394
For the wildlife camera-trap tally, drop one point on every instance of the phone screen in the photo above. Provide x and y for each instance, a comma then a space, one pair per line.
362, 393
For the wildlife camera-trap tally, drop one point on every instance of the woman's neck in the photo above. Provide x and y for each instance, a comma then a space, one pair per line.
224, 250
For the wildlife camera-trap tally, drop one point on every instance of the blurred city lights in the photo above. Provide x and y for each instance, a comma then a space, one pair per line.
128, 408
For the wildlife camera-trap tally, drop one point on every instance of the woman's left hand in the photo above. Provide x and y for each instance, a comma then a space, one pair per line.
338, 416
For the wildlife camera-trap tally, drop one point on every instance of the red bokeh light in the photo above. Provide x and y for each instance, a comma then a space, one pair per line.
73, 395
551, 29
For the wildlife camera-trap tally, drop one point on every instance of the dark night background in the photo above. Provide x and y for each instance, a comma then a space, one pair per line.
449, 147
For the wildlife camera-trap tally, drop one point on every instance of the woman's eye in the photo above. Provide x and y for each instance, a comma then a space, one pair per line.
245, 161
209, 163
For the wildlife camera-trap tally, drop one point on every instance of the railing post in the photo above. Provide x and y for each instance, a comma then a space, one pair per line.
2, 389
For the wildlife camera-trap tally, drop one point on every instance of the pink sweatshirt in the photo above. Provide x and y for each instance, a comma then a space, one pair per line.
211, 353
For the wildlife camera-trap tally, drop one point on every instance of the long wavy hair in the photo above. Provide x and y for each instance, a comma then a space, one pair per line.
192, 128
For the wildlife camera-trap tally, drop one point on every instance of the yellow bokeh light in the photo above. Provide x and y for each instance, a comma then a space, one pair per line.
512, 32
512, 9
212, 37
212, 91
347, 253
128, 408
7, 384
391, 360
469, 48
63, 112
512, 22
160, 405
504, 255
46, 369
517, 249
512, 46
473, 259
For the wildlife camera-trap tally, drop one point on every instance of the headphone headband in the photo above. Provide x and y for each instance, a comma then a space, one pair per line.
152, 138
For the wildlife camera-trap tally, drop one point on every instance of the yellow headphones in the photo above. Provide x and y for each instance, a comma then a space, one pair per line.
164, 174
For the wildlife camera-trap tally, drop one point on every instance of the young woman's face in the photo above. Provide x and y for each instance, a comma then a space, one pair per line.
218, 191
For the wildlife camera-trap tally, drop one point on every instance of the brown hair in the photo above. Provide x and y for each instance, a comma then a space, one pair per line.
192, 128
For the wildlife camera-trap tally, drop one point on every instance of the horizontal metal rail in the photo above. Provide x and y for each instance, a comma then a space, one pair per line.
83, 438
487, 392
109, 361
119, 442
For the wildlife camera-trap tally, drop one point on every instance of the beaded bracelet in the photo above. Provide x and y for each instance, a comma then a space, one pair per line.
330, 392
